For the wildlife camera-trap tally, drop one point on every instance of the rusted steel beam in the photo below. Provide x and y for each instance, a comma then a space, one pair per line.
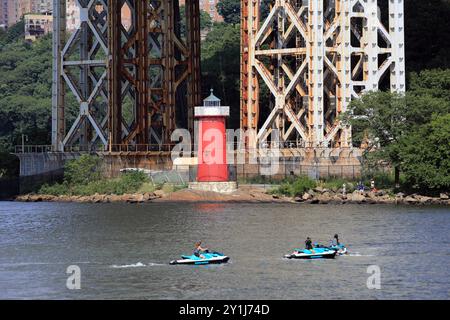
193, 44
114, 74
151, 72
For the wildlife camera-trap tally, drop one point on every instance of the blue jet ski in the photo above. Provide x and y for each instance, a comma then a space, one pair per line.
316, 253
209, 258
340, 248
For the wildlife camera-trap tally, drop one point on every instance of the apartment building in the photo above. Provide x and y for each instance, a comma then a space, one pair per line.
11, 11
37, 25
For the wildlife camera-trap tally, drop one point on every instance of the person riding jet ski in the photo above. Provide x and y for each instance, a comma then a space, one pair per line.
308, 245
335, 244
198, 250
335, 241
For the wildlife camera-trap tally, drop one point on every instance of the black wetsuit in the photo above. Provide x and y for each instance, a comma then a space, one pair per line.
308, 244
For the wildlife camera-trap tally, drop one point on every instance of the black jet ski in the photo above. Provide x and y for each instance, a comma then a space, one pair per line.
209, 258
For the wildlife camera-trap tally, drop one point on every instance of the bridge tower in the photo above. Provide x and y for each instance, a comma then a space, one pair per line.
314, 57
118, 84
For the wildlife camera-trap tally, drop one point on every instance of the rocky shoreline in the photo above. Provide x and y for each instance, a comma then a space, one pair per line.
248, 194
324, 196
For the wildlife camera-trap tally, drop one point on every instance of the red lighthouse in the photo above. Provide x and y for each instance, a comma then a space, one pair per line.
212, 146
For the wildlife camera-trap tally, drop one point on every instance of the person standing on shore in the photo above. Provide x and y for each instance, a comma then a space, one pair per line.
372, 185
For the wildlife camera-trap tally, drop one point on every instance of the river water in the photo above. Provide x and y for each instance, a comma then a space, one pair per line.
123, 251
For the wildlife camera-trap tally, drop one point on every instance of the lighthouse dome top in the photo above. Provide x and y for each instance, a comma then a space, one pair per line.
212, 100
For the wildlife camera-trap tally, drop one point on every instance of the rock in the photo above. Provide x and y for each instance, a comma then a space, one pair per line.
400, 195
318, 189
97, 198
274, 196
314, 201
380, 193
149, 196
23, 198
387, 200
424, 199
411, 200
306, 196
371, 195
115, 198
443, 196
159, 193
337, 199
131, 198
358, 198
324, 199
299, 199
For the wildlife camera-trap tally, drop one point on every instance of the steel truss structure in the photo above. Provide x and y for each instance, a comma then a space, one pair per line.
133, 85
315, 56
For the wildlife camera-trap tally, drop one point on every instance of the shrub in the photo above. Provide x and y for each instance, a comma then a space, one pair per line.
57, 189
127, 183
83, 170
302, 184
295, 187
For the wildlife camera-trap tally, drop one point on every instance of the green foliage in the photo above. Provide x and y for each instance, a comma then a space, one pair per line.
9, 165
83, 170
334, 184
13, 33
295, 187
220, 66
404, 131
383, 179
130, 182
426, 155
82, 177
25, 91
57, 189
230, 10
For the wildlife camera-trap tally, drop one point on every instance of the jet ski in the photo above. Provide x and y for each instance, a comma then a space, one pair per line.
316, 253
340, 248
209, 258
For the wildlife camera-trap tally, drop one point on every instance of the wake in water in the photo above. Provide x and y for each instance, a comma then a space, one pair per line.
136, 265
356, 254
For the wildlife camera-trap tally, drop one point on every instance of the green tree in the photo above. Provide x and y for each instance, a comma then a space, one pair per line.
25, 92
392, 121
230, 10
425, 155
382, 116
220, 66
